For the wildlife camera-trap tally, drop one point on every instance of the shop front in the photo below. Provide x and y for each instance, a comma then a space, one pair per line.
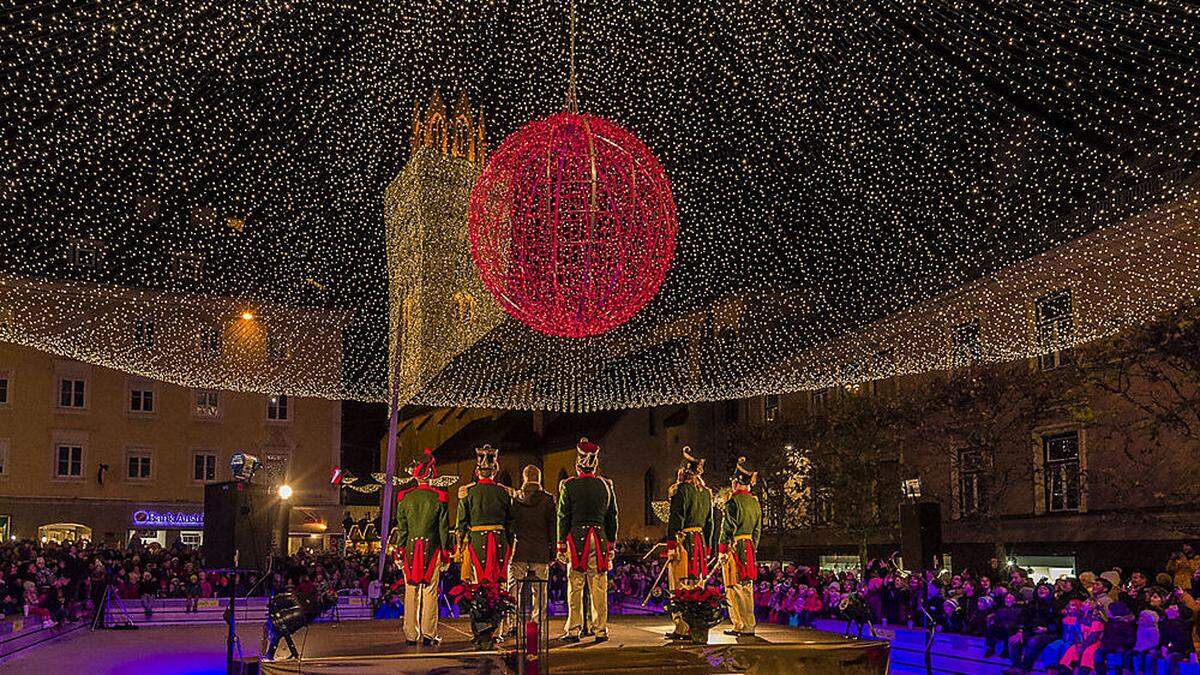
317, 528
164, 527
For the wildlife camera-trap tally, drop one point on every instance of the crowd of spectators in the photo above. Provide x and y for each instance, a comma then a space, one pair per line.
1072, 622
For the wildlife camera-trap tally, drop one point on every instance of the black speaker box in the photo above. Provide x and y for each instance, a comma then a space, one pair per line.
244, 526
921, 535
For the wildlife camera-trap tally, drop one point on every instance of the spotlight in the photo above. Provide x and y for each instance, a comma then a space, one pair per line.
247, 315
285, 491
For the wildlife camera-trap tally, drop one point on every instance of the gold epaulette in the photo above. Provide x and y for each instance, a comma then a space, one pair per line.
462, 490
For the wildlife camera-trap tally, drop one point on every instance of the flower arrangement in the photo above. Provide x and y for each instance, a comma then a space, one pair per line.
486, 603
699, 607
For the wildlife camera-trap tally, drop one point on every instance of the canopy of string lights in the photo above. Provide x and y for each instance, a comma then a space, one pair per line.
232, 195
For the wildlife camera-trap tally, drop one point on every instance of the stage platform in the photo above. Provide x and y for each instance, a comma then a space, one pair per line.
636, 646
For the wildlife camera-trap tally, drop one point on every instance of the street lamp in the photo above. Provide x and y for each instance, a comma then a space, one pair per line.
285, 491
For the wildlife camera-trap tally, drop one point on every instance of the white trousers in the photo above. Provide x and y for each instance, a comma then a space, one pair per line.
597, 583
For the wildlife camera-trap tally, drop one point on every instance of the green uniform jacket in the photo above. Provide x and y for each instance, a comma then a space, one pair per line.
691, 507
484, 503
421, 514
743, 516
585, 502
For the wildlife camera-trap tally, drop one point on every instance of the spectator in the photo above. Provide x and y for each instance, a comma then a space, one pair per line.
534, 527
1182, 566
1119, 639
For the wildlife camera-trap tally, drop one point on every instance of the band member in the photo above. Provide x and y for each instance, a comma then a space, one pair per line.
423, 534
691, 532
485, 520
739, 542
587, 532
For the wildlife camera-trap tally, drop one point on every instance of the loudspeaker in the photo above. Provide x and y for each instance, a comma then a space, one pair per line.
244, 526
921, 535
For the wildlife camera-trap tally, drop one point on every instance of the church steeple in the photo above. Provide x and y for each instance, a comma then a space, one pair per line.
459, 136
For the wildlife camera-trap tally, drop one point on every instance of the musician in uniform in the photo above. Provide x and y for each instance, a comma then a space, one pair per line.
484, 522
423, 534
739, 541
691, 533
587, 533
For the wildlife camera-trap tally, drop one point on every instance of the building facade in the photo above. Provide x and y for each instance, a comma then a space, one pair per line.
88, 452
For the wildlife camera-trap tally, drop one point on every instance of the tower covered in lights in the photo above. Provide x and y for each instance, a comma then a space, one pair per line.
438, 307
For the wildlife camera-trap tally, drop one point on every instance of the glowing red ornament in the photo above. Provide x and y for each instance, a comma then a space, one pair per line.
572, 225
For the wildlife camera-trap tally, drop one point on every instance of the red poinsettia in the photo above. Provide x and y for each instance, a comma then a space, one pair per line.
699, 606
485, 602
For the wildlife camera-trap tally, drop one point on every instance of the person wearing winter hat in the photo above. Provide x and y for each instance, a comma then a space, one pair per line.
1120, 636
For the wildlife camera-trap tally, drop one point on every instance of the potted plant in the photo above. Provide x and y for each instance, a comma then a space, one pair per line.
700, 609
486, 603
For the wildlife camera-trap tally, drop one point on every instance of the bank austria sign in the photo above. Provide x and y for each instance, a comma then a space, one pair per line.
152, 519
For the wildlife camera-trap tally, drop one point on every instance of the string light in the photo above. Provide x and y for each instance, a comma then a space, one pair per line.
833, 164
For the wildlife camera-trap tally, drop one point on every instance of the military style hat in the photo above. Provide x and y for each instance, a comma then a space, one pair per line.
424, 467
742, 475
589, 455
691, 465
487, 459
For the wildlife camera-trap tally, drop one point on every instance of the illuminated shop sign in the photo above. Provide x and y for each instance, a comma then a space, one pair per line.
148, 518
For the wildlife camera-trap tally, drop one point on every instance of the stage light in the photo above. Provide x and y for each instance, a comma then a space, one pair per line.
285, 491
247, 316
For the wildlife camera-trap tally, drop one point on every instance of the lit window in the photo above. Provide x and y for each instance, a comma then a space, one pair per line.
141, 399
208, 403
277, 408
1060, 467
70, 393
1055, 329
137, 465
69, 462
770, 407
973, 470
204, 467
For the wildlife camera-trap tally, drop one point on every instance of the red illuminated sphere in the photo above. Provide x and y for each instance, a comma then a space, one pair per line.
572, 225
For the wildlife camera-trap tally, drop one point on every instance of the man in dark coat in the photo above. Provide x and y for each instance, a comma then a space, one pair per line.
533, 525
587, 533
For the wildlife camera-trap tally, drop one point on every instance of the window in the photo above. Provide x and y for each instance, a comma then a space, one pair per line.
973, 470
770, 407
649, 488
208, 403
204, 467
85, 253
210, 340
819, 398
464, 307
141, 399
3, 388
1060, 467
70, 393
191, 537
822, 506
964, 344
277, 408
1055, 329
3, 456
69, 461
143, 333
137, 465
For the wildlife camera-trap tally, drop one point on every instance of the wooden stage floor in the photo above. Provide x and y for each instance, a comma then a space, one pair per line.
636, 645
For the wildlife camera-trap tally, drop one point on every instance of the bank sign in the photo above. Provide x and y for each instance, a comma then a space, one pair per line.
151, 519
